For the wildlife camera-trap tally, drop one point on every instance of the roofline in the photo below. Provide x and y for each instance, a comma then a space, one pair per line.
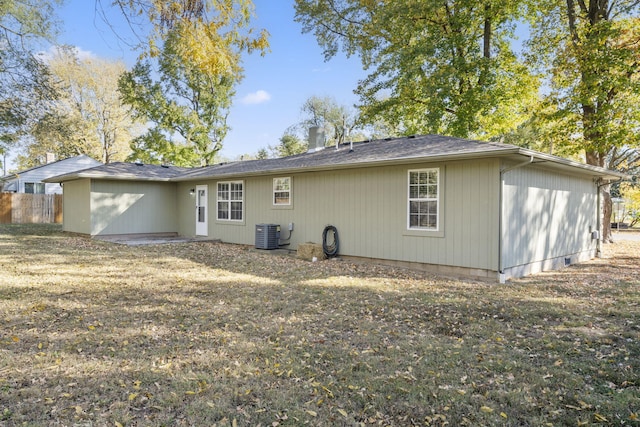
608, 174
121, 177
16, 174
501, 152
386, 162
566, 162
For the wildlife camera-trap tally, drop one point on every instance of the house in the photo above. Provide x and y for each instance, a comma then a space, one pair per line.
32, 180
454, 206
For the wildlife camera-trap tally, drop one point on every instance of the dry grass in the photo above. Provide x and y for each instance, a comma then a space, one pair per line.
94, 333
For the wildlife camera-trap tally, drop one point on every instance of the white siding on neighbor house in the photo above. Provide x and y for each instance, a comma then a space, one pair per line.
368, 206
546, 216
127, 207
76, 212
61, 167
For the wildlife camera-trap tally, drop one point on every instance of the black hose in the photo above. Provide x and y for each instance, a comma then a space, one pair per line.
330, 249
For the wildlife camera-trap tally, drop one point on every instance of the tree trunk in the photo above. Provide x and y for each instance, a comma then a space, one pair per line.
607, 209
487, 32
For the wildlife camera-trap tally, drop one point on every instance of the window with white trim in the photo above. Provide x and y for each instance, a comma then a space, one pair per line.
230, 202
424, 192
282, 191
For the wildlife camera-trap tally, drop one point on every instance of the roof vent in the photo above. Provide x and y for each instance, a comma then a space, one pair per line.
316, 139
165, 166
139, 164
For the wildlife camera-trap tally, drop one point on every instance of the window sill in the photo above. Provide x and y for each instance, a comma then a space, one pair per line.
282, 207
423, 233
230, 222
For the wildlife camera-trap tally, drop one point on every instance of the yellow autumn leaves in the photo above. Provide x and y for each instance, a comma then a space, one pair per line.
209, 35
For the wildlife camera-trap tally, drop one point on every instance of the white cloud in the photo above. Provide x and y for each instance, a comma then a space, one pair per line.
257, 97
53, 51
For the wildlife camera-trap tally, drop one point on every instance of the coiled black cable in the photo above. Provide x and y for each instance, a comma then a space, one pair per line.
330, 249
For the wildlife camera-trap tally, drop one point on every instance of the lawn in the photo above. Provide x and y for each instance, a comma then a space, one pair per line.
95, 333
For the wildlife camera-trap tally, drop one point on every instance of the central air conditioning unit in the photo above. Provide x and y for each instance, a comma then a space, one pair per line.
267, 236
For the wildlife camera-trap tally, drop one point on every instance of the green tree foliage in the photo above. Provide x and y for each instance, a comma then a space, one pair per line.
188, 109
87, 117
23, 76
590, 52
435, 67
185, 79
155, 148
290, 144
262, 154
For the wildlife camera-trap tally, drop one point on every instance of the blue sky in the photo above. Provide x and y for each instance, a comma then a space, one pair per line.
275, 86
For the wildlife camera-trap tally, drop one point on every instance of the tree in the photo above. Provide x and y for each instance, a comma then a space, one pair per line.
88, 116
196, 46
436, 67
337, 120
631, 194
23, 76
290, 144
591, 53
212, 32
154, 148
340, 123
185, 104
262, 154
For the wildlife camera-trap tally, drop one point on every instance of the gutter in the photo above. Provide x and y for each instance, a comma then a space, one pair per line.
501, 275
105, 176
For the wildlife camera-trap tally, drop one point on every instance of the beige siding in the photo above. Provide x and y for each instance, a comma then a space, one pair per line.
124, 207
369, 208
546, 216
76, 215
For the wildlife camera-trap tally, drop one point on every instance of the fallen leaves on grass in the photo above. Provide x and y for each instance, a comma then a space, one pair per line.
215, 334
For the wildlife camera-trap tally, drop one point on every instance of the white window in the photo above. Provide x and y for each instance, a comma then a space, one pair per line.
230, 201
34, 187
424, 192
282, 191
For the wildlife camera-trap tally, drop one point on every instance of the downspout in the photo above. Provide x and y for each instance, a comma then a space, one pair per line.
501, 275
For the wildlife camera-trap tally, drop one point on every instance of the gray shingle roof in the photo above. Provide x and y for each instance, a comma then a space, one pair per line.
367, 153
364, 153
122, 170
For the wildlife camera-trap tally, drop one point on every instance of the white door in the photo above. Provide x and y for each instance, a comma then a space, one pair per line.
202, 228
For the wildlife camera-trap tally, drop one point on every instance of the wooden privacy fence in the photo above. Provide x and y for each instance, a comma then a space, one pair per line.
17, 208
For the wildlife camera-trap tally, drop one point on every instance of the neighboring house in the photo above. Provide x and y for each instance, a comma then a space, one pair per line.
450, 205
32, 180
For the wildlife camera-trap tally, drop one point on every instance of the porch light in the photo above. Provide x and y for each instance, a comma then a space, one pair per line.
192, 191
